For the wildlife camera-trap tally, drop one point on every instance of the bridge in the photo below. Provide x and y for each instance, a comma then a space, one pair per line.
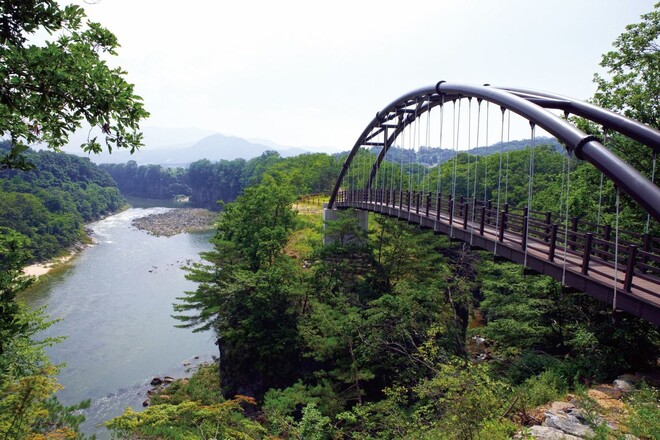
619, 267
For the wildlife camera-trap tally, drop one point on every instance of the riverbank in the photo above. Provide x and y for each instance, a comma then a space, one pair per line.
176, 221
42, 268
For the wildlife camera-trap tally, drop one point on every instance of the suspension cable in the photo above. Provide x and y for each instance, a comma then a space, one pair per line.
427, 171
469, 144
499, 178
616, 249
508, 153
476, 169
442, 111
568, 195
600, 190
648, 216
486, 158
456, 130
439, 183
530, 190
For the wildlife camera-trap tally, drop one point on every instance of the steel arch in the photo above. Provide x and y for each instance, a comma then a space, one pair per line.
533, 106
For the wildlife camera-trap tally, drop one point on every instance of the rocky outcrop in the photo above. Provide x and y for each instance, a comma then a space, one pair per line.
566, 420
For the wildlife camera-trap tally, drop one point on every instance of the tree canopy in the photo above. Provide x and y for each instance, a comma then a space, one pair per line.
48, 89
633, 82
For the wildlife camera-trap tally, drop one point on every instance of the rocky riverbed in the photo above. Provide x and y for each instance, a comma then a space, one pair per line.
176, 221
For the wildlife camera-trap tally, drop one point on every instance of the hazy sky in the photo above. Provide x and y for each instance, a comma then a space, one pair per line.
313, 74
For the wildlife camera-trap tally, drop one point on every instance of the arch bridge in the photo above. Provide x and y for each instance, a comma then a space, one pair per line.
619, 267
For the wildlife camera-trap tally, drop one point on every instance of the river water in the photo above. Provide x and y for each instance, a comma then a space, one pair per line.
114, 302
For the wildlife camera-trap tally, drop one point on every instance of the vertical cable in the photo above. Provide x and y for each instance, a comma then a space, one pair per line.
508, 153
568, 195
600, 191
648, 216
486, 158
530, 190
616, 250
427, 171
476, 168
469, 143
442, 112
455, 130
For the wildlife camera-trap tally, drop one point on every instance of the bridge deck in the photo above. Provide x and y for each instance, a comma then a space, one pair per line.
599, 280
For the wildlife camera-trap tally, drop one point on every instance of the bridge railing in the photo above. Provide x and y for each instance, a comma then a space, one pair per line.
589, 246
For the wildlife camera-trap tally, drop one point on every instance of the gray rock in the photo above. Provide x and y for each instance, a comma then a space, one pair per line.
624, 385
567, 423
548, 433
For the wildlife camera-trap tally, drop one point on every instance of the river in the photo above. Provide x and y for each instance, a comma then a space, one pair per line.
114, 302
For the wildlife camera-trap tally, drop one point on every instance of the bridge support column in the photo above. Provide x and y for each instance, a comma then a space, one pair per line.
330, 215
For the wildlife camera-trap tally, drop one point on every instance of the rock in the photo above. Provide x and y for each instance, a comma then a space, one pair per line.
548, 433
146, 402
168, 379
567, 423
634, 378
156, 381
562, 406
164, 397
176, 221
624, 385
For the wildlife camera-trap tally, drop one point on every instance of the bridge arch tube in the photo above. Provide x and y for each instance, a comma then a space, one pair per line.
585, 147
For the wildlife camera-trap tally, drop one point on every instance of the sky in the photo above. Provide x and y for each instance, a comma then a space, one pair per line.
313, 74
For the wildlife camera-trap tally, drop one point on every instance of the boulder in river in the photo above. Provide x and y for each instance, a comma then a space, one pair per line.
156, 381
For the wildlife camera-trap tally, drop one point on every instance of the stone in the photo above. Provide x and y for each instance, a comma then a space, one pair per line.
168, 379
562, 406
630, 378
156, 381
624, 385
146, 402
567, 423
548, 433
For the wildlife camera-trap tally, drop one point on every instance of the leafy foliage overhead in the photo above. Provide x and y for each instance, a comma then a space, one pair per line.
48, 89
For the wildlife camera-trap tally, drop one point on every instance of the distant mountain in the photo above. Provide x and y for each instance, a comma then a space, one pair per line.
180, 147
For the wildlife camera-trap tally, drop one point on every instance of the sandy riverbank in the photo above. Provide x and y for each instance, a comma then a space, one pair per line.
39, 269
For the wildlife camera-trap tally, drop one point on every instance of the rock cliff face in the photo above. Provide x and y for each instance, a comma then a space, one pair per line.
176, 221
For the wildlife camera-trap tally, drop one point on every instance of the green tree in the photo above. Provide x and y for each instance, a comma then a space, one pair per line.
247, 293
48, 89
633, 82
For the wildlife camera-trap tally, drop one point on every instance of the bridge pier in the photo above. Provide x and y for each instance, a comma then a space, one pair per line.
330, 215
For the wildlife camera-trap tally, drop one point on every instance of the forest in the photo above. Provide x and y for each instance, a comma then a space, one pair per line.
50, 203
206, 182
376, 338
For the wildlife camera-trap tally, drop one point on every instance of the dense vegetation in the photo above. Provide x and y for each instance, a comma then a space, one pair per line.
55, 75
382, 336
207, 182
50, 203
376, 337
